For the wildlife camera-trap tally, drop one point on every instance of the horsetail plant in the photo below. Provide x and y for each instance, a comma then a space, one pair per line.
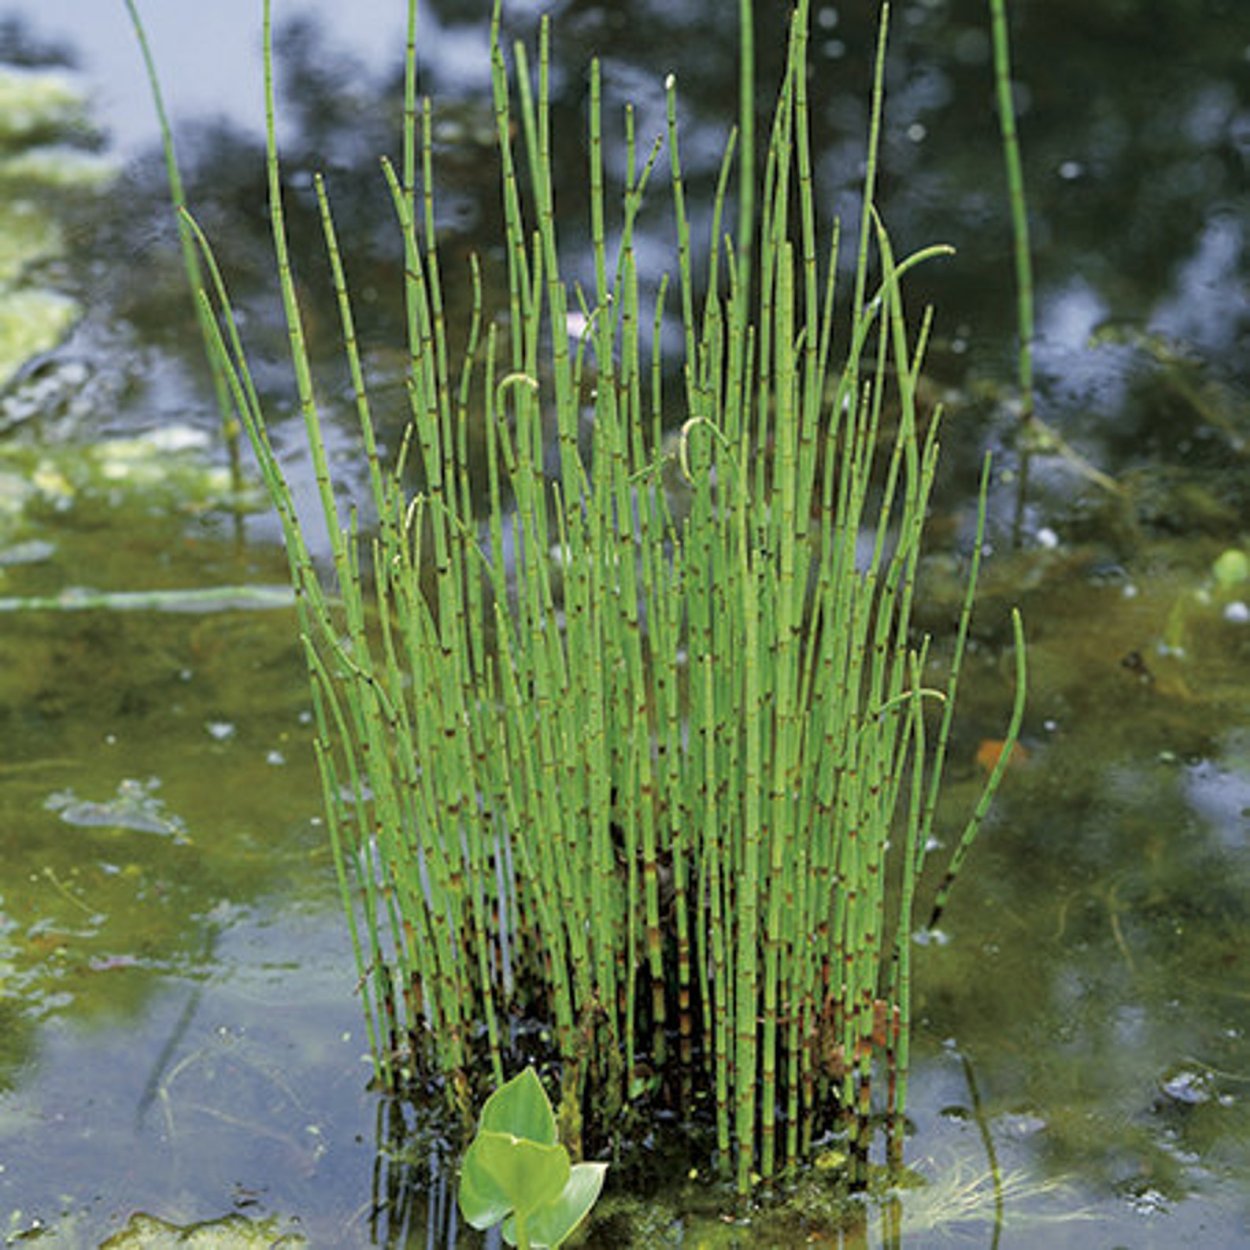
641, 751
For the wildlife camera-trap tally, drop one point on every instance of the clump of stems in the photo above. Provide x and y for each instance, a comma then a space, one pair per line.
660, 776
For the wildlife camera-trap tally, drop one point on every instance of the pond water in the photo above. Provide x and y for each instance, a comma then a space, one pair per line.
179, 1034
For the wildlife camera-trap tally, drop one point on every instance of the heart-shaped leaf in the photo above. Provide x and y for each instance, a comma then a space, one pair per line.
521, 1107
503, 1173
483, 1202
553, 1224
515, 1171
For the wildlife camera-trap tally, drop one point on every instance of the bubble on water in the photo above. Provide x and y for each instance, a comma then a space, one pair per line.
1149, 1202
1187, 1087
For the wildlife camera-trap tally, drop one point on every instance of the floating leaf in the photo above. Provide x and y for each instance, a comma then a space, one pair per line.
556, 1222
501, 1170
521, 1107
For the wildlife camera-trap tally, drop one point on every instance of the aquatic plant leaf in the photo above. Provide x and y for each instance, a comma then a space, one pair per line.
483, 1202
553, 1224
501, 1170
520, 1107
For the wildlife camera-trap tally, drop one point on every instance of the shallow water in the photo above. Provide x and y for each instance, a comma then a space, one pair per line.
179, 1033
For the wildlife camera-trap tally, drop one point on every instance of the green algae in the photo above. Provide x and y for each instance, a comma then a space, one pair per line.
58, 166
32, 321
27, 235
38, 103
234, 1232
135, 806
111, 482
40, 112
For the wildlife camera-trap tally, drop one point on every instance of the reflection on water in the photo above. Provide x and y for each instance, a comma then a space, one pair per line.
178, 1032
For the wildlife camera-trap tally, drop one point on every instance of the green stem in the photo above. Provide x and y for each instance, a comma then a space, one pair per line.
191, 261
1023, 254
1019, 209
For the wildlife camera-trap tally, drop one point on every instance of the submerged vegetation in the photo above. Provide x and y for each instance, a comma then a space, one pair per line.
42, 117
641, 789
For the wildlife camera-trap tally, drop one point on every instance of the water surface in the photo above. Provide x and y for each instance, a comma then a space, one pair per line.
180, 1035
